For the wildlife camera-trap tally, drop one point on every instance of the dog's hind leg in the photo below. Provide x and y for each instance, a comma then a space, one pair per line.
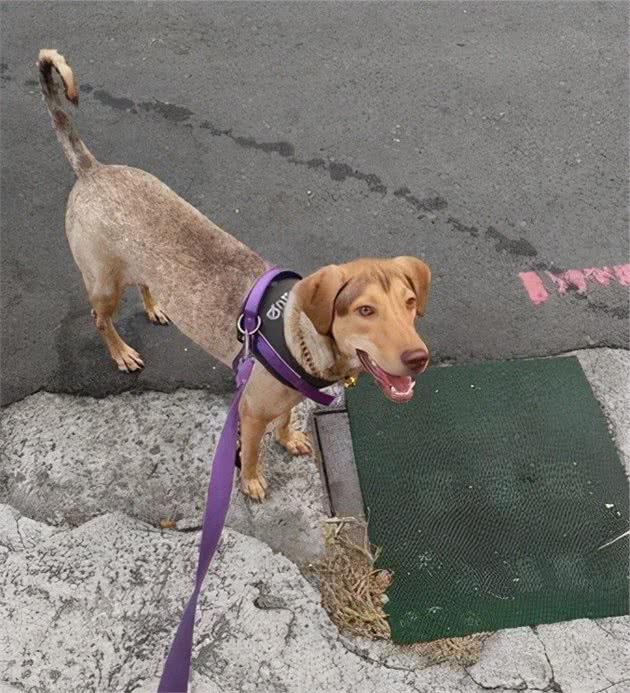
151, 308
104, 295
295, 442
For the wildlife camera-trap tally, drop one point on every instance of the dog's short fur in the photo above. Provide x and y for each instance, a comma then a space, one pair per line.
127, 228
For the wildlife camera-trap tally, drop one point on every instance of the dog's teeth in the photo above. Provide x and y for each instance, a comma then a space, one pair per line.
413, 384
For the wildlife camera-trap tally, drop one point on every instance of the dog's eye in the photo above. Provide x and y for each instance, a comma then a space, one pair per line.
411, 302
365, 311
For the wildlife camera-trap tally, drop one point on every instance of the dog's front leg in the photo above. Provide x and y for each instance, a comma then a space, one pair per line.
293, 441
253, 427
264, 400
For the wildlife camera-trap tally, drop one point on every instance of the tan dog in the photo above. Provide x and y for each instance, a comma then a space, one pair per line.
127, 228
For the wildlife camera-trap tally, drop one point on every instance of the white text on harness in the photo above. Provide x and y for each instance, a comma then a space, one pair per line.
276, 309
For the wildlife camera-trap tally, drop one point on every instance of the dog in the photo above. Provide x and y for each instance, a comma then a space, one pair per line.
125, 227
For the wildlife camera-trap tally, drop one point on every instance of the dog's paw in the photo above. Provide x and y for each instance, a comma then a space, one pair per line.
128, 359
255, 487
296, 443
157, 316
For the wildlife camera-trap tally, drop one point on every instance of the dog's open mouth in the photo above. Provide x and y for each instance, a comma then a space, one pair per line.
398, 388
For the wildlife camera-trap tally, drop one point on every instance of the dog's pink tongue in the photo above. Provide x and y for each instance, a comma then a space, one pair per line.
400, 383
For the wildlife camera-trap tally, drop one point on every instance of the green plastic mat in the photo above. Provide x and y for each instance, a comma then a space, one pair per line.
489, 494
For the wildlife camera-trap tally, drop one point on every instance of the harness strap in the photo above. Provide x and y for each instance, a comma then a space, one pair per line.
250, 322
265, 352
251, 304
272, 311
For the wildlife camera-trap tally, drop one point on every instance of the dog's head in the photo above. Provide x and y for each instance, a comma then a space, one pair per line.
369, 308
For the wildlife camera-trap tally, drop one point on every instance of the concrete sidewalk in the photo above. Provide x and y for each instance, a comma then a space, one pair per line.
91, 590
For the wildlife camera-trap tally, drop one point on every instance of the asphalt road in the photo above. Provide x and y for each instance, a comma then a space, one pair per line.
489, 138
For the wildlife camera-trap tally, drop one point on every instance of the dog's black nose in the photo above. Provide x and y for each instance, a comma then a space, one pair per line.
416, 360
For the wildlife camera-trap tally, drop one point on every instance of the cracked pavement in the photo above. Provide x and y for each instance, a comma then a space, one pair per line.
482, 136
91, 589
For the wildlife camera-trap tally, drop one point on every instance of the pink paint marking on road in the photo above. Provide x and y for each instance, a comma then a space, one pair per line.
623, 274
534, 287
573, 278
559, 281
601, 275
576, 278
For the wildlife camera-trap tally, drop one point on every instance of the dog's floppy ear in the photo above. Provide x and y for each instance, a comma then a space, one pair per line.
418, 274
316, 296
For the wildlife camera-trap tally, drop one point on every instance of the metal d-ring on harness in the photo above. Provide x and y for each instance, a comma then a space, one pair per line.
255, 347
247, 335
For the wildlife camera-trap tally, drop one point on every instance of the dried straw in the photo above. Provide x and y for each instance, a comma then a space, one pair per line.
465, 650
353, 591
353, 594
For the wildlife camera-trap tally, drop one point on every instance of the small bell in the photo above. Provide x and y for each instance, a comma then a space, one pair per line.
350, 381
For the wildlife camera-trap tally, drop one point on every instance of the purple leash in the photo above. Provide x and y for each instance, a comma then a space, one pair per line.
176, 671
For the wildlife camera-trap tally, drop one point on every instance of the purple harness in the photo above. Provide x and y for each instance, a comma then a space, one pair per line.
255, 346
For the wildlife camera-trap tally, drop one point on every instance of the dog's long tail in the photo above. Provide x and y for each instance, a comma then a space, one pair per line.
79, 156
